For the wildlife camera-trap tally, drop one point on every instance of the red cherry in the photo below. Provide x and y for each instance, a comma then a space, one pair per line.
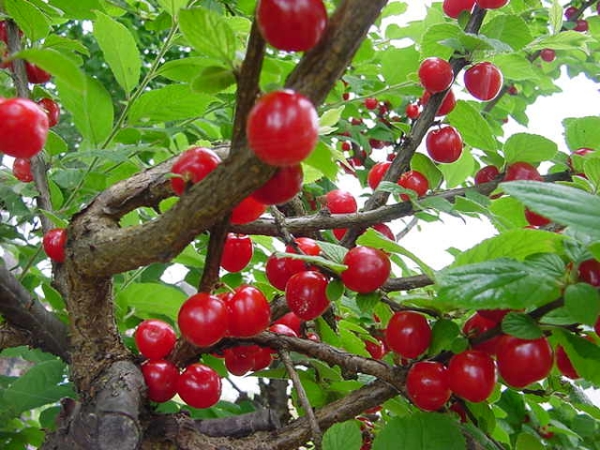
280, 270
589, 272
291, 25
415, 181
340, 202
54, 244
23, 128
477, 325
192, 166
412, 111
239, 360
154, 338
237, 252
346, 146
436, 74
377, 351
564, 364
472, 375
570, 12
535, 219
447, 105
283, 329
483, 81
306, 295
248, 210
313, 337
408, 334
522, 171
597, 326
581, 25
35, 74
199, 386
453, 8
249, 312
368, 269
52, 110
486, 174
292, 321
579, 152
512, 90
522, 362
385, 230
548, 55
161, 379
495, 315
376, 174
371, 103
458, 409
262, 358
281, 187
427, 385
203, 319
491, 4
545, 432
283, 128
3, 32
21, 169
444, 145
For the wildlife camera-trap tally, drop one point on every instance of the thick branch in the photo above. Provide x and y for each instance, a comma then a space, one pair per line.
23, 311
11, 336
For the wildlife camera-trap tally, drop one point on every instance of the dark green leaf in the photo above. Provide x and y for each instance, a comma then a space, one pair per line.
473, 128
334, 252
209, 33
530, 148
213, 79
335, 290
343, 436
582, 302
444, 332
521, 326
527, 441
31, 20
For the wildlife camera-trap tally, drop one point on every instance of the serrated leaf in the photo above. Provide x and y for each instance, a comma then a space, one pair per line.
209, 33
562, 204
530, 148
565, 40
343, 436
582, 302
444, 332
334, 252
521, 326
34, 23
367, 302
583, 354
497, 284
119, 49
421, 431
213, 79
473, 128
326, 333
511, 29
582, 132
172, 102
515, 67
57, 64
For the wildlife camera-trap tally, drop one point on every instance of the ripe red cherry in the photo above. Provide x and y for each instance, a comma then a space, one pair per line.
248, 210
412, 111
447, 105
415, 181
161, 378
237, 252
154, 338
199, 386
371, 103
564, 364
291, 25
282, 128
436, 74
283, 329
570, 12
472, 375
444, 145
522, 171
408, 334
52, 110
385, 230
589, 272
249, 312
306, 295
495, 315
427, 385
281, 187
36, 75
477, 325
377, 351
54, 244
261, 358
486, 174
453, 8
548, 55
483, 81
22, 170
239, 360
203, 319
491, 4
581, 25
376, 173
23, 127
192, 166
368, 269
522, 362
280, 270
597, 326
346, 146
292, 321
535, 219
340, 202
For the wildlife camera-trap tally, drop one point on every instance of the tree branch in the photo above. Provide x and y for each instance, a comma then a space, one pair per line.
11, 336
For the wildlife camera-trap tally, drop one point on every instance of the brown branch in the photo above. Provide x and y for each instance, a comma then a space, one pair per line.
407, 283
21, 310
11, 336
212, 263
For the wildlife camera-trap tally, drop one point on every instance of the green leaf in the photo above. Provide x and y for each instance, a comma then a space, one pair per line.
457, 172
556, 16
213, 79
591, 168
421, 431
353, 344
209, 33
527, 441
172, 102
565, 40
34, 24
172, 6
81, 9
318, 260
500, 283
398, 63
427, 167
152, 299
120, 50
335, 290
430, 44
322, 158
44, 383
583, 354
562, 204
582, 301
512, 30
343, 436
530, 148
521, 326
367, 302
582, 132
444, 332
473, 128
56, 42
334, 252
517, 244
61, 67
331, 117
92, 109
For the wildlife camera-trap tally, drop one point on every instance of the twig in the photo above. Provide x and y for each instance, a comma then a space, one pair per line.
212, 262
